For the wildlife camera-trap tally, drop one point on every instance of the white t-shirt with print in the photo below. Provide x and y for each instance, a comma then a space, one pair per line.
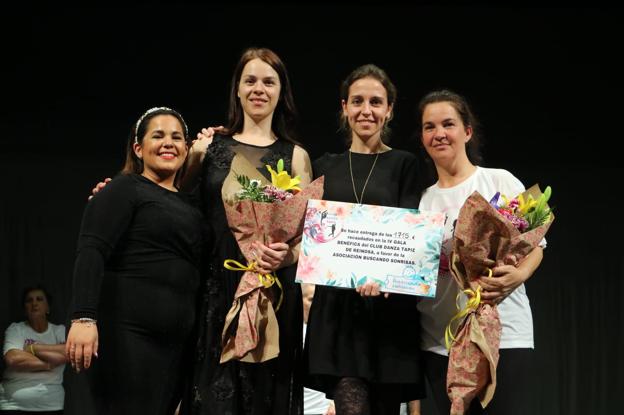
32, 391
515, 311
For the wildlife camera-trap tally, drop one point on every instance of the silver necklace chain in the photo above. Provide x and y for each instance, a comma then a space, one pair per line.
361, 198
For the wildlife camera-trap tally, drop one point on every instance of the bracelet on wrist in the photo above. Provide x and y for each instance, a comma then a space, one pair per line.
84, 320
32, 349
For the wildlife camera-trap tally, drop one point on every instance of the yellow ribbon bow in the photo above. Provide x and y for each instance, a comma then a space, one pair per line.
267, 280
474, 299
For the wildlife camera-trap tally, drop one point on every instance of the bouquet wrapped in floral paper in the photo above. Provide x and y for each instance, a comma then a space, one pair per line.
267, 213
487, 234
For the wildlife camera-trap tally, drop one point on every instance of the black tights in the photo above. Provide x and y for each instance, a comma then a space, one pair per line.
355, 396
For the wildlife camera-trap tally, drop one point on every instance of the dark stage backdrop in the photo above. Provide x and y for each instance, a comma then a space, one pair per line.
546, 83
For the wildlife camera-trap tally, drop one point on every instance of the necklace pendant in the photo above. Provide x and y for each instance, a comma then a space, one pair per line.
360, 200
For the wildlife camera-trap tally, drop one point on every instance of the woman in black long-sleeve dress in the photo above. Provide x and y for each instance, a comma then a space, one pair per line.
356, 349
137, 274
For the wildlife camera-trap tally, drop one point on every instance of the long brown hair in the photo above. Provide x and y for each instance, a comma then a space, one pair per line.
285, 114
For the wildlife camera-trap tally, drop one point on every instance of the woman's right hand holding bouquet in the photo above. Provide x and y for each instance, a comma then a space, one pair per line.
506, 278
270, 257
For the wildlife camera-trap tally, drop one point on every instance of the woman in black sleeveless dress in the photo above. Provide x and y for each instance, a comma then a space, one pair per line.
260, 117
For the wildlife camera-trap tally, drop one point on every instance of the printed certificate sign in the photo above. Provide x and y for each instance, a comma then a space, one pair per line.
347, 244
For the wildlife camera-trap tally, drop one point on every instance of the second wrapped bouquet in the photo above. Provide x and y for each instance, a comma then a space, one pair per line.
267, 213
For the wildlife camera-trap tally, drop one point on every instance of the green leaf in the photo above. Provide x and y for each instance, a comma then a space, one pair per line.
541, 203
540, 214
547, 193
241, 180
538, 218
280, 165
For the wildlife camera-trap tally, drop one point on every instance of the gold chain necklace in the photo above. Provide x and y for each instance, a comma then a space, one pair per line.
361, 198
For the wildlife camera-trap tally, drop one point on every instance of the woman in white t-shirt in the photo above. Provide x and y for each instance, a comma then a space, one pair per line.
449, 140
34, 352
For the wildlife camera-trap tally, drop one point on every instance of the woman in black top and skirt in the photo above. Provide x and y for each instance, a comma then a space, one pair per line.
136, 273
356, 350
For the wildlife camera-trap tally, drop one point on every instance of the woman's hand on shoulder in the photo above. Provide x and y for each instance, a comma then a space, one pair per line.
99, 187
203, 140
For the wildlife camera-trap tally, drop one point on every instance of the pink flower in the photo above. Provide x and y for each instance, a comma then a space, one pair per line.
414, 219
310, 212
276, 193
307, 266
341, 212
519, 223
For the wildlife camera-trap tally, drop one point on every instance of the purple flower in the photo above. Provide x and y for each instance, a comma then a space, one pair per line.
494, 200
519, 223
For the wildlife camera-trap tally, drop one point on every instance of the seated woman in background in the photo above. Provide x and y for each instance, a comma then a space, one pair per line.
34, 353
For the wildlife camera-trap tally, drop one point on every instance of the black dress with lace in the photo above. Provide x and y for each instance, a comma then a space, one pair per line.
272, 387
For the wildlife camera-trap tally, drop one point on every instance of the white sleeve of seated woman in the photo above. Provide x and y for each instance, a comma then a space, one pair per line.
13, 338
59, 333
